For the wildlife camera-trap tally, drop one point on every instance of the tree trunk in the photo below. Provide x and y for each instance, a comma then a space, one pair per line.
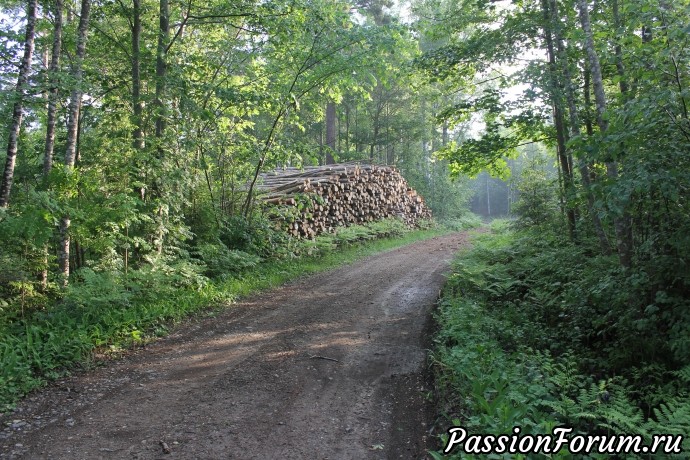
373, 142
625, 222
18, 109
576, 132
330, 132
559, 118
588, 101
595, 66
444, 133
76, 96
377, 119
161, 112
54, 90
72, 131
137, 105
161, 68
51, 116
623, 242
347, 128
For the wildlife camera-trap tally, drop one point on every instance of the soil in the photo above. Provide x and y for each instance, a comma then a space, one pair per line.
332, 366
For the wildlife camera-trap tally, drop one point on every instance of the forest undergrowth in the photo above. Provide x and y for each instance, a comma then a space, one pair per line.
538, 333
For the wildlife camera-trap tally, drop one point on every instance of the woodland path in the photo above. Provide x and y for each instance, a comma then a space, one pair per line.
253, 382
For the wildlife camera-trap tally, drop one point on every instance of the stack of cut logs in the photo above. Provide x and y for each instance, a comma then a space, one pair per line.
307, 202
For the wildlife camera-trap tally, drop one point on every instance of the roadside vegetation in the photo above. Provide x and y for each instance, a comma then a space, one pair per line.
538, 334
578, 312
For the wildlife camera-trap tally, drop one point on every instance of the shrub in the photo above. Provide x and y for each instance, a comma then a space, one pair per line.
256, 236
537, 202
465, 222
221, 261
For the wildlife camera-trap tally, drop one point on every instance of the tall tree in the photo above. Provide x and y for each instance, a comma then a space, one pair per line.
551, 33
623, 238
576, 132
161, 110
161, 69
330, 132
137, 105
73, 131
51, 115
53, 91
18, 108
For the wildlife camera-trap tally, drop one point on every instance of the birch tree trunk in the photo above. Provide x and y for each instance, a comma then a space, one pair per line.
18, 109
576, 132
72, 132
54, 90
623, 243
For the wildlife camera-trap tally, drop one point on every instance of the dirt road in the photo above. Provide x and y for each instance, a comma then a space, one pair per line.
329, 367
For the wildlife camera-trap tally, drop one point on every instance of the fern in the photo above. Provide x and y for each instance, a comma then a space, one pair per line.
684, 374
672, 417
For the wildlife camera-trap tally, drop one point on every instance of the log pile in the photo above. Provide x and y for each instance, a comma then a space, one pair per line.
307, 202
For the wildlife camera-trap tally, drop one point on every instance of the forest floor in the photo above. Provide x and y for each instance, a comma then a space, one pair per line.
328, 367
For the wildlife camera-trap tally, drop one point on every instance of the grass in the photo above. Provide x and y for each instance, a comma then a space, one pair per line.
109, 316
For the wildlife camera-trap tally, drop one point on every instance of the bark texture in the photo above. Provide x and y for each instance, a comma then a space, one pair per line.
18, 108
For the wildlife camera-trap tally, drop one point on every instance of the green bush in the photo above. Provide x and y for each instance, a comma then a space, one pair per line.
257, 236
465, 222
221, 261
97, 290
537, 202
